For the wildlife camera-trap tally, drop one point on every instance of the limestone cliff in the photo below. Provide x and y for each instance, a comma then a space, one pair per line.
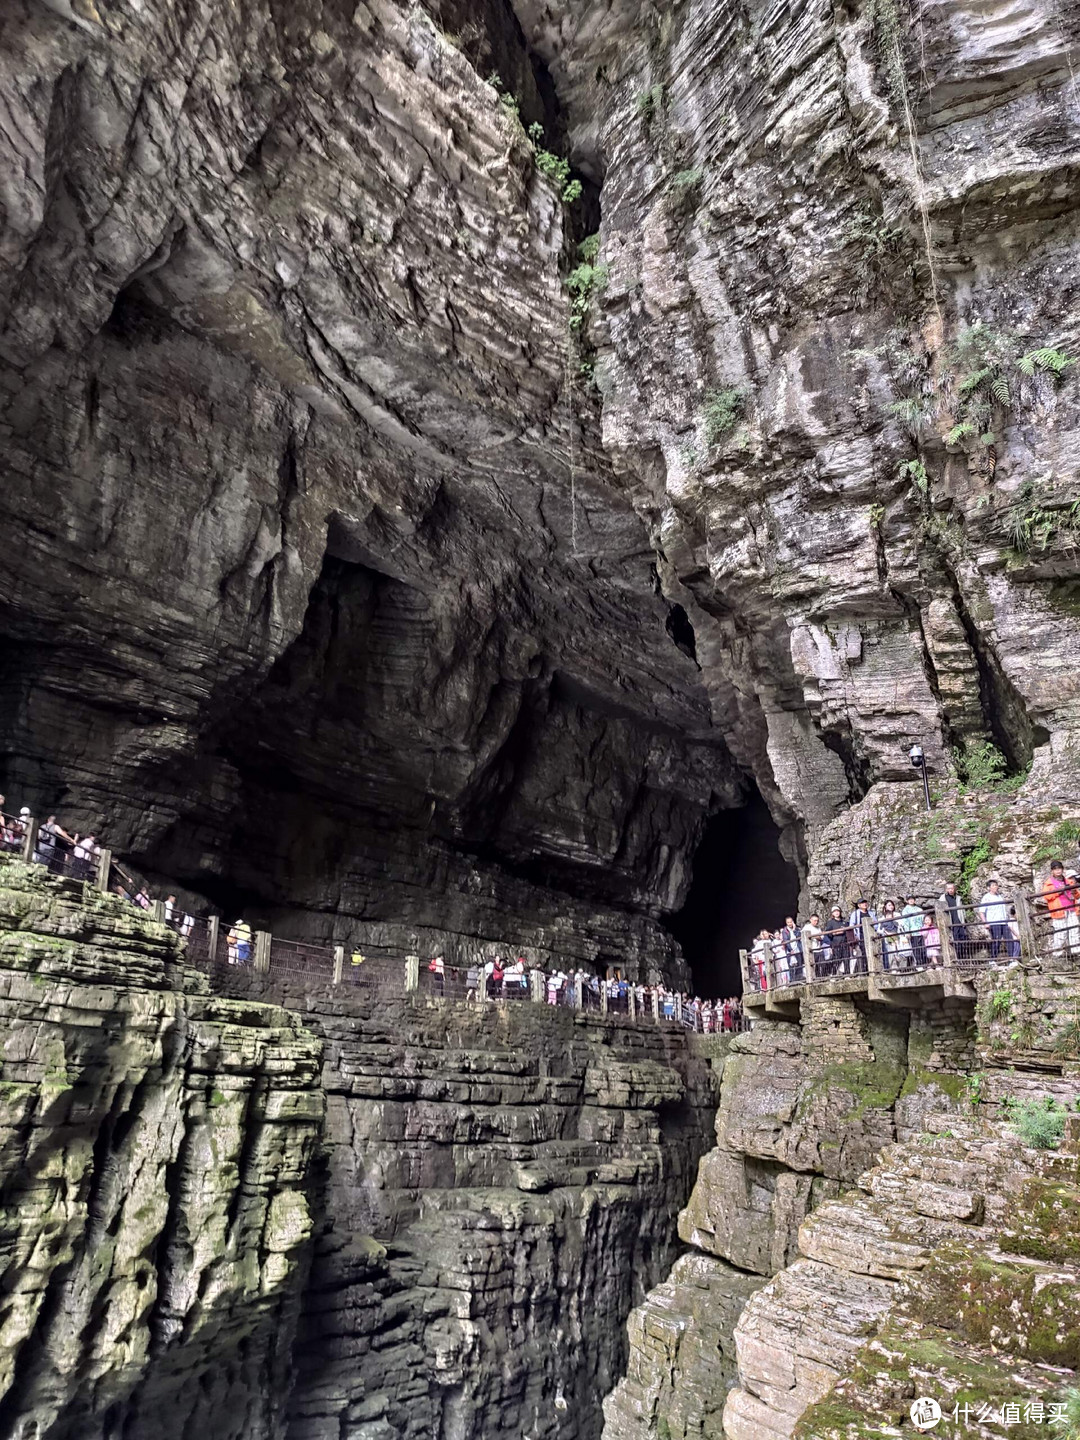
319, 508
873, 1226
154, 1167
355, 1217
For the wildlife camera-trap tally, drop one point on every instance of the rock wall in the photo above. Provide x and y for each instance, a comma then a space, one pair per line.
154, 1163
354, 1217
819, 224
302, 523
872, 1226
500, 1189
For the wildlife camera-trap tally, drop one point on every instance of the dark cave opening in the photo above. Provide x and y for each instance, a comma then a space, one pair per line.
678, 626
740, 883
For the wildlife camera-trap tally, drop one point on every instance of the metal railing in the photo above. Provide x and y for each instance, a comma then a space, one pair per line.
925, 937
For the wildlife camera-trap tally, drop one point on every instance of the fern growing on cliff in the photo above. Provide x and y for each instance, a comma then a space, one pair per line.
1037, 518
586, 280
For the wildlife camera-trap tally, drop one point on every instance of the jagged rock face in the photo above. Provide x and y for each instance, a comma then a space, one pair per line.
284, 350
804, 1111
375, 1220
765, 219
156, 1144
872, 1173
499, 1191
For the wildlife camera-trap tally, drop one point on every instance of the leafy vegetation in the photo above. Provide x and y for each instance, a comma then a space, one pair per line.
1000, 1005
981, 765
553, 166
548, 162
915, 471
1036, 518
1040, 1123
723, 409
983, 380
1064, 837
970, 865
650, 103
1048, 360
586, 280
684, 184
1072, 1414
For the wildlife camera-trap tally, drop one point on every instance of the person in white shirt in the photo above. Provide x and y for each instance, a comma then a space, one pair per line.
994, 913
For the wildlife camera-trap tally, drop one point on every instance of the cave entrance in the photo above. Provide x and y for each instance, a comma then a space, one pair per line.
740, 883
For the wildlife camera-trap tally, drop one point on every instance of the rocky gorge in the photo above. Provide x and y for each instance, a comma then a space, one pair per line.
518, 477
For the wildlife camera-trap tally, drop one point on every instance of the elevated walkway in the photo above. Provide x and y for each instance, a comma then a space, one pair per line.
904, 970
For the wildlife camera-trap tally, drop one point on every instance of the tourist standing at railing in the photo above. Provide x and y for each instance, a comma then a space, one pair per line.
1060, 899
861, 912
1073, 938
759, 958
994, 911
950, 903
86, 853
931, 938
838, 939
912, 918
51, 838
894, 949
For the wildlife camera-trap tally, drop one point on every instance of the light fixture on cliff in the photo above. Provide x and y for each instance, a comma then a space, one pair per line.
917, 756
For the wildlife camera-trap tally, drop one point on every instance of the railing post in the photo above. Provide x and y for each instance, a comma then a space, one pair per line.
744, 963
1024, 925
339, 964
656, 1003
263, 940
770, 968
948, 948
678, 1008
536, 986
412, 973
807, 957
104, 865
631, 1000
213, 926
29, 845
871, 943
157, 911
603, 996
577, 992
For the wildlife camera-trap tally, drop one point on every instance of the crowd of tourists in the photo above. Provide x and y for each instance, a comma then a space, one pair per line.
907, 931
502, 979
53, 846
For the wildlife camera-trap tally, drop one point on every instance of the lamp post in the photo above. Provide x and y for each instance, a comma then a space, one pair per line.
918, 758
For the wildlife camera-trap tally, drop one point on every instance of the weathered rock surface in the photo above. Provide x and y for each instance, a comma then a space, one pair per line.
313, 517
871, 1163
377, 1218
154, 1166
300, 525
519, 1174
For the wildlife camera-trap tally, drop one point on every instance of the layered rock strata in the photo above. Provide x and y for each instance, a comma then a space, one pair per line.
154, 1166
872, 1163
360, 1216
301, 520
518, 1175
830, 236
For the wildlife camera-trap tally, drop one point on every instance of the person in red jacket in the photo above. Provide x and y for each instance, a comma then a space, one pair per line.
1060, 898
